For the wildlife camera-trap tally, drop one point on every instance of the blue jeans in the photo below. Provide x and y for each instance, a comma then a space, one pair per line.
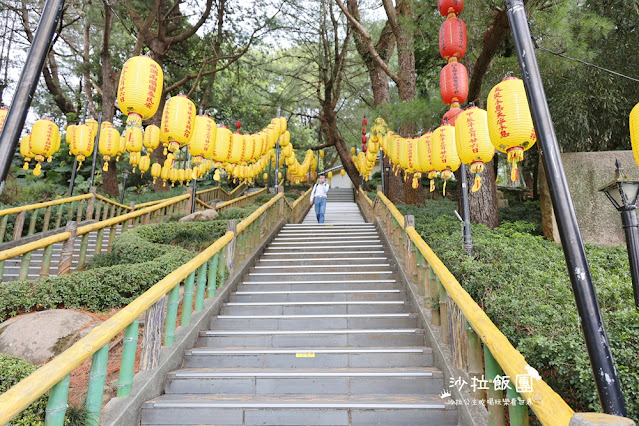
320, 208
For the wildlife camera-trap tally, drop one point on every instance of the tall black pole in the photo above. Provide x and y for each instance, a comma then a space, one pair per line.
630, 227
268, 177
381, 162
124, 178
467, 239
95, 151
603, 367
27, 85
193, 196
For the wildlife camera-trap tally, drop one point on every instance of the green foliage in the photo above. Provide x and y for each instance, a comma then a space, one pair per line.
527, 212
520, 280
139, 258
12, 370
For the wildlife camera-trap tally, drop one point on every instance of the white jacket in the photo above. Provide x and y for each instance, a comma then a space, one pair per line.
319, 190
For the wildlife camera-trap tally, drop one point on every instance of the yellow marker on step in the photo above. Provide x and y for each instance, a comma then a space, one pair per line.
305, 355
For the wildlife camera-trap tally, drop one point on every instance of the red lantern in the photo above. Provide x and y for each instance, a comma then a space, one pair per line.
451, 115
238, 124
363, 130
452, 38
446, 7
364, 139
364, 148
364, 122
453, 82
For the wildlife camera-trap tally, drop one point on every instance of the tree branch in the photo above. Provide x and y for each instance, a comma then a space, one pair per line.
367, 39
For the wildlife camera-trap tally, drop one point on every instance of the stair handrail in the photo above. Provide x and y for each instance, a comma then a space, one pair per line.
115, 203
159, 211
225, 251
242, 201
547, 405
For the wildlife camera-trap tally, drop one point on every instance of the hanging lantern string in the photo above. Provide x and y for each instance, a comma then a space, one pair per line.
562, 55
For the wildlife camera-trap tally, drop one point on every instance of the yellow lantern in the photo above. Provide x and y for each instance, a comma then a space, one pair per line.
279, 176
353, 150
156, 170
425, 155
634, 132
173, 176
45, 135
181, 176
265, 176
473, 141
25, 151
68, 137
151, 139
216, 175
222, 146
165, 174
237, 149
82, 143
445, 158
203, 141
178, 121
140, 89
134, 139
93, 125
321, 153
342, 172
109, 145
188, 175
285, 139
3, 117
509, 122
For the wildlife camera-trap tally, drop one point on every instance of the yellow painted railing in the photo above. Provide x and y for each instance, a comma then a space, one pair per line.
242, 201
223, 254
464, 325
21, 255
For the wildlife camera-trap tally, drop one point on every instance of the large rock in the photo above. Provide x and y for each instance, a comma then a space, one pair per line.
586, 172
39, 336
202, 216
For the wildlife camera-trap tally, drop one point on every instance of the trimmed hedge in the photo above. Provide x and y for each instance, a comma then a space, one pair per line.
139, 258
12, 370
521, 282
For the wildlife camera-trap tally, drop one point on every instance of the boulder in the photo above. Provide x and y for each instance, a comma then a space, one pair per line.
202, 216
39, 336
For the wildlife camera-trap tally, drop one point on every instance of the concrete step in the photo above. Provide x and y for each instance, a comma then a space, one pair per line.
318, 260
298, 338
316, 296
344, 267
311, 308
324, 253
310, 285
301, 409
309, 357
344, 381
317, 275
312, 322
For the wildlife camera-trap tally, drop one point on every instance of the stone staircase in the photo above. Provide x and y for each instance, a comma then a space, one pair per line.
318, 332
12, 266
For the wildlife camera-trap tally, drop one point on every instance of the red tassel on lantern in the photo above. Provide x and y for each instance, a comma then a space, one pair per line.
451, 115
452, 38
446, 7
453, 82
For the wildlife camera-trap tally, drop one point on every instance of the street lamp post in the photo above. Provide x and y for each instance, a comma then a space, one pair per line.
599, 352
125, 176
623, 193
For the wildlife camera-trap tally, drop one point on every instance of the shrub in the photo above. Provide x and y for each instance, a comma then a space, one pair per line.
521, 282
139, 258
12, 370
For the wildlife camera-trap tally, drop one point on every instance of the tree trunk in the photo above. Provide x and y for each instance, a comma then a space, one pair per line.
483, 203
109, 84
